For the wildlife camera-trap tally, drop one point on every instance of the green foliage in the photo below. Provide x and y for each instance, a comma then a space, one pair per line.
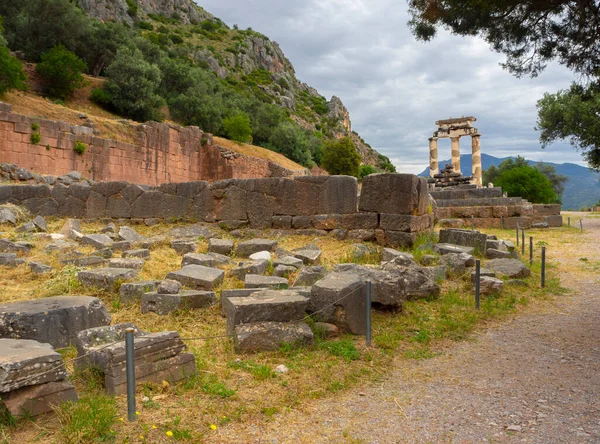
88, 420
341, 157
209, 25
291, 141
61, 71
35, 138
133, 84
145, 25
384, 163
573, 115
11, 72
365, 170
79, 148
132, 8
238, 128
35, 126
527, 182
101, 97
258, 77
558, 180
344, 348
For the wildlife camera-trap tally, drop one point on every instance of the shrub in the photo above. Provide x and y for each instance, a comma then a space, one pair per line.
61, 71
238, 128
11, 72
341, 157
365, 170
145, 25
101, 97
209, 25
132, 8
79, 148
35, 138
527, 182
35, 127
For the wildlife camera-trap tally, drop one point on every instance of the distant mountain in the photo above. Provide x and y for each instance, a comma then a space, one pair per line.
582, 188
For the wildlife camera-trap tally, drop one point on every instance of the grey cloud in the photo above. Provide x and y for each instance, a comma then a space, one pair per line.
396, 87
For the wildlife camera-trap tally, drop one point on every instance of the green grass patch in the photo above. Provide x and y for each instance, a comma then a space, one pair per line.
88, 420
343, 348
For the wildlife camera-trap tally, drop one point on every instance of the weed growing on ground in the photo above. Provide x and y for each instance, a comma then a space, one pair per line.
90, 419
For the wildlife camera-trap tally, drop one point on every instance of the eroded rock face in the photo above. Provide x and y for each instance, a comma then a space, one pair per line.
55, 320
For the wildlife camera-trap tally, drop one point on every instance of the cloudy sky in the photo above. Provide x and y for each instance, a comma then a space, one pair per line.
395, 87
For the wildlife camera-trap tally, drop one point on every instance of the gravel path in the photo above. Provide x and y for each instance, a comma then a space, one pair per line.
535, 379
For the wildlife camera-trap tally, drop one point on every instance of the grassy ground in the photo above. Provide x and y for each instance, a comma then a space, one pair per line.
232, 387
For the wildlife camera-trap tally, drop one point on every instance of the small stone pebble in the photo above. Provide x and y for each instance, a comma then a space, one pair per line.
281, 369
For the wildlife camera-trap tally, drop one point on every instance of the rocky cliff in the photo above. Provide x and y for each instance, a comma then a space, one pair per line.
237, 56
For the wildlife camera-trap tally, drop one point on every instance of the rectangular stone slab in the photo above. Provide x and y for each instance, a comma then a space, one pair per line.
172, 370
55, 320
163, 304
262, 306
258, 281
106, 278
237, 293
451, 248
268, 336
36, 400
198, 277
25, 362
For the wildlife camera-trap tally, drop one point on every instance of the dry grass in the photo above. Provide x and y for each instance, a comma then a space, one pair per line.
261, 153
234, 387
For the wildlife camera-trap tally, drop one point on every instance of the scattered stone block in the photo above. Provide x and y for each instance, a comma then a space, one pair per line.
28, 227
168, 286
289, 261
244, 268
207, 260
121, 246
482, 272
105, 253
7, 215
55, 320
220, 246
268, 336
339, 298
87, 261
130, 235
158, 356
512, 268
326, 330
237, 293
309, 257
111, 228
443, 249
260, 256
264, 306
466, 238
192, 231
258, 281
127, 262
245, 249
198, 277
142, 253
154, 242
457, 264
8, 259
106, 278
397, 257
97, 240
151, 221
309, 275
7, 246
490, 285
492, 253
163, 304
38, 399
183, 246
26, 362
39, 268
40, 224
71, 229
284, 271
131, 292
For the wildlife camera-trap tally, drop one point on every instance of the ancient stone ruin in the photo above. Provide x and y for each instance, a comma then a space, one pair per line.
454, 129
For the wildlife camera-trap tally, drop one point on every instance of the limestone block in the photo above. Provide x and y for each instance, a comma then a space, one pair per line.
55, 320
246, 248
512, 268
309, 257
493, 253
309, 275
220, 246
356, 221
289, 261
443, 249
198, 277
269, 336
404, 222
465, 238
127, 262
39, 399
97, 240
327, 221
106, 278
131, 292
142, 253
399, 239
163, 304
339, 298
394, 194
490, 285
243, 268
184, 246
207, 260
26, 362
130, 235
262, 306
259, 281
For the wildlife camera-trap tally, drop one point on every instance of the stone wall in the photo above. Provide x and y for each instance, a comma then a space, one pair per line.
163, 153
392, 208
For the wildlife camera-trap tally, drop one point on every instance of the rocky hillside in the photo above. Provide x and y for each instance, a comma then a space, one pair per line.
239, 57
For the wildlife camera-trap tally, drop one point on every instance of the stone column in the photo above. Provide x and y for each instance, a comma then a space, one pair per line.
433, 157
456, 154
476, 162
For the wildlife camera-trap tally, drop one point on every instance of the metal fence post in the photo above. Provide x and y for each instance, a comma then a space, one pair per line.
569, 222
477, 282
581, 224
543, 267
368, 313
130, 373
530, 250
523, 241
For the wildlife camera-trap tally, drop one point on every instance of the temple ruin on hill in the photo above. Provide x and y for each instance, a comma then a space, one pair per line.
454, 129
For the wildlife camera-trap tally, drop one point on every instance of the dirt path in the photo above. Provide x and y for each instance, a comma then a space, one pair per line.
535, 379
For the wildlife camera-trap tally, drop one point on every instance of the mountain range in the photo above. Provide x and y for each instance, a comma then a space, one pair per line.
581, 190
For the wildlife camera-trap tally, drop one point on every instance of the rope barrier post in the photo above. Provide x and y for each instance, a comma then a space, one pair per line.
543, 267
581, 224
523, 241
517, 235
477, 282
569, 222
130, 373
368, 312
530, 250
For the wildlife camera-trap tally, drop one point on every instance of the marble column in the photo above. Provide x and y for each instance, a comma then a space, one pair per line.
456, 154
476, 162
433, 157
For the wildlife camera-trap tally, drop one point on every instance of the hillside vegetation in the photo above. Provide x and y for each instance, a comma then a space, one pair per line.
173, 60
